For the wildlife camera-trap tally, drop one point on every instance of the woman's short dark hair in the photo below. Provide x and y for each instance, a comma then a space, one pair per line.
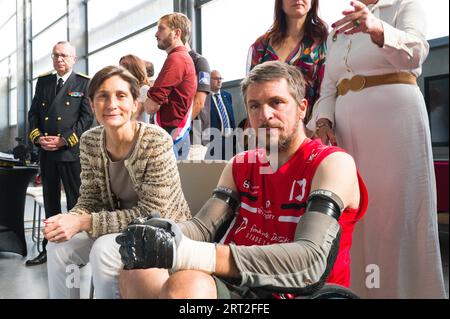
107, 73
315, 27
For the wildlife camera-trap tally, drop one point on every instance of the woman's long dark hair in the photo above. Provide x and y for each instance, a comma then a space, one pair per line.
315, 27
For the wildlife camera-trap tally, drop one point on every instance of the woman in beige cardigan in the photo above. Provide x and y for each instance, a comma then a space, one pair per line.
128, 171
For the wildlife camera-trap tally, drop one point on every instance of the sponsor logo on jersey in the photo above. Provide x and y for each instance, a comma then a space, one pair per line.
298, 190
242, 226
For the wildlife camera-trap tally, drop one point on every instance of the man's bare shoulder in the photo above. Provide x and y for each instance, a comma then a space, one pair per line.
337, 161
338, 173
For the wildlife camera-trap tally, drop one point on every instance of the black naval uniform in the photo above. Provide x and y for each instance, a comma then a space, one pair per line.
67, 115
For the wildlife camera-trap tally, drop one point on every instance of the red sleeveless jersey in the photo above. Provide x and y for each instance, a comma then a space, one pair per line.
272, 204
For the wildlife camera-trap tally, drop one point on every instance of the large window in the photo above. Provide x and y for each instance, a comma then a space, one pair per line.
43, 45
8, 63
438, 18
13, 107
8, 36
228, 32
8, 8
229, 28
112, 20
143, 45
45, 12
13, 70
116, 28
8, 91
436, 96
4, 70
13, 90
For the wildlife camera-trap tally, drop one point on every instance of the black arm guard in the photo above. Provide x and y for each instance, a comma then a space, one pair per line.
228, 196
325, 202
300, 267
330, 204
214, 218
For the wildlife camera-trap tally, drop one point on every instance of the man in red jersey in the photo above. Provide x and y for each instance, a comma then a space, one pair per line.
171, 96
283, 214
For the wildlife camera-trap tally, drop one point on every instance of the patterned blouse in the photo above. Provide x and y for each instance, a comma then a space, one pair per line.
308, 57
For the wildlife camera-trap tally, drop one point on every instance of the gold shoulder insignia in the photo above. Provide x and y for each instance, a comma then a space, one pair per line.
47, 74
84, 75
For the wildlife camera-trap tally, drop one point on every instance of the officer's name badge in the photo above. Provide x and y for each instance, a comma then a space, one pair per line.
76, 94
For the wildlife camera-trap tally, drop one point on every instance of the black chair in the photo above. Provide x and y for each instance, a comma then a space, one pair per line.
13, 186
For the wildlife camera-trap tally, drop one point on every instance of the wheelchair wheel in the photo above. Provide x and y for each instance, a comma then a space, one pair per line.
332, 291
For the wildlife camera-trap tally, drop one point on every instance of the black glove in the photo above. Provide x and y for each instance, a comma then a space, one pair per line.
151, 244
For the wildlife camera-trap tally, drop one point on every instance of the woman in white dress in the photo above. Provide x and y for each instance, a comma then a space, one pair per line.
382, 121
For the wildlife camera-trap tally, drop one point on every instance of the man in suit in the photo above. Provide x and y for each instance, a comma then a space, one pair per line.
221, 120
59, 114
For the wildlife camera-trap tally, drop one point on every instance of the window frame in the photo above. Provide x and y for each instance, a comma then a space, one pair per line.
428, 81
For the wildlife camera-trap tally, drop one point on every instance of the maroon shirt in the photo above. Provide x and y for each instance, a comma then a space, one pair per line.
175, 87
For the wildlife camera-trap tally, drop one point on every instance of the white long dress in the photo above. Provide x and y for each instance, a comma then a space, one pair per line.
386, 130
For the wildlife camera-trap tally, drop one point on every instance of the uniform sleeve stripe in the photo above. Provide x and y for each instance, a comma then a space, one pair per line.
73, 140
34, 134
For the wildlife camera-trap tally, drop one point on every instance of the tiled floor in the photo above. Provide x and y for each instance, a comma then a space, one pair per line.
20, 282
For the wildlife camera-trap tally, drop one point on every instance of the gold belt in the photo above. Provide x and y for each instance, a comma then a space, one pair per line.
359, 82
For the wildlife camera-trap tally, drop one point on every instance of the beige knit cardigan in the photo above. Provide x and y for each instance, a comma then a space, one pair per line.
153, 170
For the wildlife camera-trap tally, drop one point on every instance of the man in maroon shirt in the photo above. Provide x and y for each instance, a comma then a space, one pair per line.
172, 95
